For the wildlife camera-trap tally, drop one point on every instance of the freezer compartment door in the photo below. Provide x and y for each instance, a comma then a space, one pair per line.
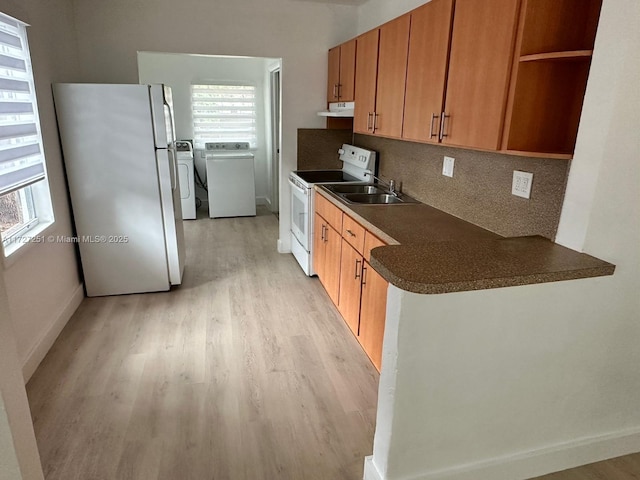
171, 213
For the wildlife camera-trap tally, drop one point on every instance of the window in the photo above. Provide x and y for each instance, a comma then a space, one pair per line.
223, 113
24, 193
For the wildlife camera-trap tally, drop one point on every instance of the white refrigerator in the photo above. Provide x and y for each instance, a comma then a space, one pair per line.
120, 161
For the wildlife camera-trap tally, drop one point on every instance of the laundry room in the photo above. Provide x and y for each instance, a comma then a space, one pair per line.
223, 112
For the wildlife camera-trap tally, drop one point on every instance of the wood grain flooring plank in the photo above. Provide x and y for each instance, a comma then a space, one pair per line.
223, 378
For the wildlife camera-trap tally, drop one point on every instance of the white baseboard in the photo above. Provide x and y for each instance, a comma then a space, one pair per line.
282, 248
536, 462
263, 201
45, 342
370, 470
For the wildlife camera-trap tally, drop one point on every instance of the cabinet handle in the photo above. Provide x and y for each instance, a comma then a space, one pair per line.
364, 275
443, 117
431, 132
375, 122
339, 91
351, 233
324, 232
369, 121
357, 268
335, 90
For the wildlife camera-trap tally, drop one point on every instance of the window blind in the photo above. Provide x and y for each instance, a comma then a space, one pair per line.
223, 113
21, 158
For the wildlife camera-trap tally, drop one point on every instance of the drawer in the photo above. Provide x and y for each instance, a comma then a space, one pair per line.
328, 211
353, 233
371, 241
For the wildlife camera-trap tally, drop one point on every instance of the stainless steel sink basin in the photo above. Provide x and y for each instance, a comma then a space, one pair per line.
376, 198
367, 189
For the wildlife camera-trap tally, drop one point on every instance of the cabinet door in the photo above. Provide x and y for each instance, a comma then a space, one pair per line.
392, 73
366, 79
350, 278
347, 71
373, 314
319, 226
334, 75
479, 69
331, 281
427, 70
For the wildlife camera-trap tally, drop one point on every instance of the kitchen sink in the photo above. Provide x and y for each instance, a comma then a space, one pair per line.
377, 198
366, 189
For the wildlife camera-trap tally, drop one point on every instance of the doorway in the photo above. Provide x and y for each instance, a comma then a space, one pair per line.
276, 131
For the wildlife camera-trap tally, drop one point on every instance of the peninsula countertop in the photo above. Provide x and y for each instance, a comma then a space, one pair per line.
432, 252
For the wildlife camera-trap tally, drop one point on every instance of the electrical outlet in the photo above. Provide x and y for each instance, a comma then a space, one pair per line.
521, 186
447, 166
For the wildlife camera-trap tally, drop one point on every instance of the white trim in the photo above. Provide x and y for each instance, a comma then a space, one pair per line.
262, 201
44, 344
534, 463
282, 248
18, 246
370, 470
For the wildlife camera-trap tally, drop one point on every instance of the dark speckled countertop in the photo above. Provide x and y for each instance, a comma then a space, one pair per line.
432, 252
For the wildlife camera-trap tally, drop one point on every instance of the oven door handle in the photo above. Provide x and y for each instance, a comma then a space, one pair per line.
296, 187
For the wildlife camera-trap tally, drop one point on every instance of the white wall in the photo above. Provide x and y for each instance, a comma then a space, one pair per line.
42, 282
516, 382
19, 458
179, 71
110, 34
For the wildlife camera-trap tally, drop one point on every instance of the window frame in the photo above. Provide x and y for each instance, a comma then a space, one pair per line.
39, 192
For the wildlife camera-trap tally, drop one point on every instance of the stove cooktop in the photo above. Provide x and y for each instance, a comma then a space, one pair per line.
325, 176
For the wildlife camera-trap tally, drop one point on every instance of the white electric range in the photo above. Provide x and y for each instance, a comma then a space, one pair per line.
358, 165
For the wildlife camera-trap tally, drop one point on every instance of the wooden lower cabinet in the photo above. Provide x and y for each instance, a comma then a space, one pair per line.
350, 286
327, 248
373, 313
341, 262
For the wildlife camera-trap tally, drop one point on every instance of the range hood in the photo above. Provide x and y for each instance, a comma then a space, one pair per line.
339, 109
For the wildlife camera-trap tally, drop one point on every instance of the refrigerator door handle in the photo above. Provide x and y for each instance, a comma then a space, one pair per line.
174, 167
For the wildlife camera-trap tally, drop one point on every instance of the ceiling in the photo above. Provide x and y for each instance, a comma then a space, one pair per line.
339, 2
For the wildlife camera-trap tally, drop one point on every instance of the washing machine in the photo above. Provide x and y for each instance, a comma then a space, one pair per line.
186, 178
230, 180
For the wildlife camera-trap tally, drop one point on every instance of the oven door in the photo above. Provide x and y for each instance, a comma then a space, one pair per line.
300, 215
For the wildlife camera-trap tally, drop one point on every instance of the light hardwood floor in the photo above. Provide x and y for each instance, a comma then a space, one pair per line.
244, 372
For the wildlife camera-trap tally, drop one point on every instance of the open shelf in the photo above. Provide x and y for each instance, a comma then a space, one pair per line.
547, 104
565, 56
559, 25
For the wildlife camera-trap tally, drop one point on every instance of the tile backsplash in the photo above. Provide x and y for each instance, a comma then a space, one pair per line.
480, 189
318, 147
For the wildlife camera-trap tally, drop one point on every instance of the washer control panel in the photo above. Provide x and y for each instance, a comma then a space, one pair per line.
209, 146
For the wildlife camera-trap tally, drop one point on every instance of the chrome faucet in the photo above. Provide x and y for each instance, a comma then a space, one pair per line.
391, 184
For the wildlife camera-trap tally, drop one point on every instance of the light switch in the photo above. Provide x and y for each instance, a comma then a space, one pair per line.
447, 166
521, 185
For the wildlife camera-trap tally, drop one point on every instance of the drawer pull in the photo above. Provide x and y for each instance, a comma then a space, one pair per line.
351, 233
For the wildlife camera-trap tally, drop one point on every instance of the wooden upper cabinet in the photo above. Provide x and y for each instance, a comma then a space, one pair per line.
392, 72
333, 81
366, 81
427, 70
482, 44
342, 72
346, 89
